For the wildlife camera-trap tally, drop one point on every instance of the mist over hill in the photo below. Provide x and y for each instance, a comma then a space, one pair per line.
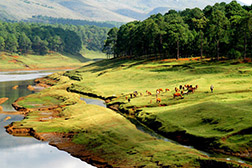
95, 10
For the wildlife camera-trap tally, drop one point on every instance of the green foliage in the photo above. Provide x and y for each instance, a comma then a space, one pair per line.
212, 32
42, 38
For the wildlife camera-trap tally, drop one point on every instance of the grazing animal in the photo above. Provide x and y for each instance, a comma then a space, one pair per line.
158, 100
176, 89
135, 95
166, 90
177, 95
180, 87
191, 90
126, 97
129, 100
149, 93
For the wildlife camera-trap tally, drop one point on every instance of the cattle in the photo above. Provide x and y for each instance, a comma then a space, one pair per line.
166, 90
176, 89
177, 95
158, 100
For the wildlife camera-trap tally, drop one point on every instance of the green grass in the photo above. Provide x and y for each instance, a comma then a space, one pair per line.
222, 115
219, 114
54, 60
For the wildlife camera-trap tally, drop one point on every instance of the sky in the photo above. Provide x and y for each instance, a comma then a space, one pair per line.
247, 2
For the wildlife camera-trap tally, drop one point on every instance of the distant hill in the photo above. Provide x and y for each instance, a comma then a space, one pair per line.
94, 10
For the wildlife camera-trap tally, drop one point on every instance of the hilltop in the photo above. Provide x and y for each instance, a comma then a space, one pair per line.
96, 10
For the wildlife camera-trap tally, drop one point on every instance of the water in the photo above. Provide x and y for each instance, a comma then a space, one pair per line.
27, 152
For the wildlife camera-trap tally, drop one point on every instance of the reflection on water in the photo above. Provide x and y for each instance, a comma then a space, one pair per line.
25, 152
39, 155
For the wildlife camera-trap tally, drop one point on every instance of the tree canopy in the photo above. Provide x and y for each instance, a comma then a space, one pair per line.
216, 31
42, 38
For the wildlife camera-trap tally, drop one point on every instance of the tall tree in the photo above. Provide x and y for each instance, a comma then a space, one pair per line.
218, 26
177, 30
110, 43
11, 43
243, 23
24, 43
200, 24
2, 44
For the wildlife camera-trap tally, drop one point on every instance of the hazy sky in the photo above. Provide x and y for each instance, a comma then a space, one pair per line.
248, 2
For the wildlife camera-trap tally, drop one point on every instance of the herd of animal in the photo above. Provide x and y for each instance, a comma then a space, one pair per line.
179, 92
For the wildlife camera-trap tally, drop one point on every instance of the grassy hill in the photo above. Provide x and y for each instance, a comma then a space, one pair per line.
50, 61
98, 10
218, 121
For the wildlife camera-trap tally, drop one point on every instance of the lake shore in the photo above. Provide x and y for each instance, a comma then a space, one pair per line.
93, 139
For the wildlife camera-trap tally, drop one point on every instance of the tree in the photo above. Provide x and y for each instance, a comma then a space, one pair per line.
2, 44
218, 26
55, 43
11, 43
177, 30
24, 43
243, 23
200, 24
110, 43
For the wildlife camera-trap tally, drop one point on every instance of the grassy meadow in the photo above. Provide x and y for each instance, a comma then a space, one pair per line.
218, 121
221, 117
54, 60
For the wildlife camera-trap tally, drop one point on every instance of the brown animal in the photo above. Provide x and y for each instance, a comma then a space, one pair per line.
166, 90
177, 95
158, 100
126, 97
2, 100
15, 87
191, 90
176, 89
149, 93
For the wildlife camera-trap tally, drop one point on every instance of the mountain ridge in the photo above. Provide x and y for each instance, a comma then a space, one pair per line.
94, 10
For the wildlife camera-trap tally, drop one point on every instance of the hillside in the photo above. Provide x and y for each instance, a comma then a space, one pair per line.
97, 10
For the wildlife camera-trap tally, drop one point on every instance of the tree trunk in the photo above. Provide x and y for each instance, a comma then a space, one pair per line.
218, 49
178, 49
245, 45
201, 50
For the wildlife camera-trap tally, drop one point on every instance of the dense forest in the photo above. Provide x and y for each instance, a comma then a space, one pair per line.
43, 38
216, 31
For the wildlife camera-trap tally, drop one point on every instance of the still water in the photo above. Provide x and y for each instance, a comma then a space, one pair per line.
27, 152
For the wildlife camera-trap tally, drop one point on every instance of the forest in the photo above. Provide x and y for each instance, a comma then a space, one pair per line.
41, 39
222, 30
